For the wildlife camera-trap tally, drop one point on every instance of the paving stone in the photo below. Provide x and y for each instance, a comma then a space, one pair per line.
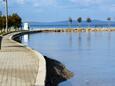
18, 65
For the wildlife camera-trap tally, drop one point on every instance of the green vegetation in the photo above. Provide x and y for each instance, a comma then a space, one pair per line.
88, 21
79, 20
14, 21
70, 22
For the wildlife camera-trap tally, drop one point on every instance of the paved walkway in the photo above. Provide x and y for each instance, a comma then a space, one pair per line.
18, 65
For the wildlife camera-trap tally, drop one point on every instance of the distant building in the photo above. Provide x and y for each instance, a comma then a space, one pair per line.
26, 26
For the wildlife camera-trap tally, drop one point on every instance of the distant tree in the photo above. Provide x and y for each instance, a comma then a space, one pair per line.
79, 20
88, 21
109, 19
1, 26
10, 22
70, 22
16, 21
4, 23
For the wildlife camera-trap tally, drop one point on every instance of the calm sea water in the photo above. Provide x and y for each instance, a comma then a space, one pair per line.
64, 26
90, 56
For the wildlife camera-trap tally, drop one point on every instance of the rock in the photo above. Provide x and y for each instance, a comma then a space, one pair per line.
56, 72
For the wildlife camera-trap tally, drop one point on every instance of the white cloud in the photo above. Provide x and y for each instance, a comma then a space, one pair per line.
87, 2
1, 2
77, 4
44, 3
36, 3
103, 5
20, 1
110, 7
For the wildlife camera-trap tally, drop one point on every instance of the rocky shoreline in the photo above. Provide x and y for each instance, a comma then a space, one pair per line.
56, 72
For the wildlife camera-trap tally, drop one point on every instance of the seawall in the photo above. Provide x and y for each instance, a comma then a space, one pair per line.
56, 72
41, 75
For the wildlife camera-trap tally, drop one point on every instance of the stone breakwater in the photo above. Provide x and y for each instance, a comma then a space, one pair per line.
78, 30
56, 72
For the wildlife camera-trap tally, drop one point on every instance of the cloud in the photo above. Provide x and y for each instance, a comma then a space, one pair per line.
92, 2
109, 8
100, 5
68, 7
1, 2
36, 3
87, 3
20, 1
43, 3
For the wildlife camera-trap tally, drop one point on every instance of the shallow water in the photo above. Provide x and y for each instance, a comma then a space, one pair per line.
90, 56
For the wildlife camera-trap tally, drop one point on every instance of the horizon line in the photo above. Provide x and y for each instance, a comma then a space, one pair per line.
62, 21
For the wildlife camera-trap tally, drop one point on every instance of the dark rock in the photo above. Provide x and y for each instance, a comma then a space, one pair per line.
56, 72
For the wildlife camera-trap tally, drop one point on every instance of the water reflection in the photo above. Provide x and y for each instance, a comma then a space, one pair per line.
79, 40
109, 39
26, 39
70, 39
89, 40
109, 36
90, 56
68, 83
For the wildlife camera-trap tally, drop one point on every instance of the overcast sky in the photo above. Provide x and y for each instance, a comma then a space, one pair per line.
57, 10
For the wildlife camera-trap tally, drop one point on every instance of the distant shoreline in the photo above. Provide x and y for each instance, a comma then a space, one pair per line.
74, 29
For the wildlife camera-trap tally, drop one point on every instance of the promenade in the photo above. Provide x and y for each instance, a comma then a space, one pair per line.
18, 64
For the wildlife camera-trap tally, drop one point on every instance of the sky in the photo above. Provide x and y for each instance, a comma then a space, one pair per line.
59, 10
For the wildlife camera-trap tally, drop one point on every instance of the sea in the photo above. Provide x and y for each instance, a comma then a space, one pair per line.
66, 24
89, 55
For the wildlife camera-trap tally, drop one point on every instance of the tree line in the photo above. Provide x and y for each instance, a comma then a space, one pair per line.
88, 20
14, 21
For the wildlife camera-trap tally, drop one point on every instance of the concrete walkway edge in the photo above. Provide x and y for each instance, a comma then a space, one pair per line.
41, 76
